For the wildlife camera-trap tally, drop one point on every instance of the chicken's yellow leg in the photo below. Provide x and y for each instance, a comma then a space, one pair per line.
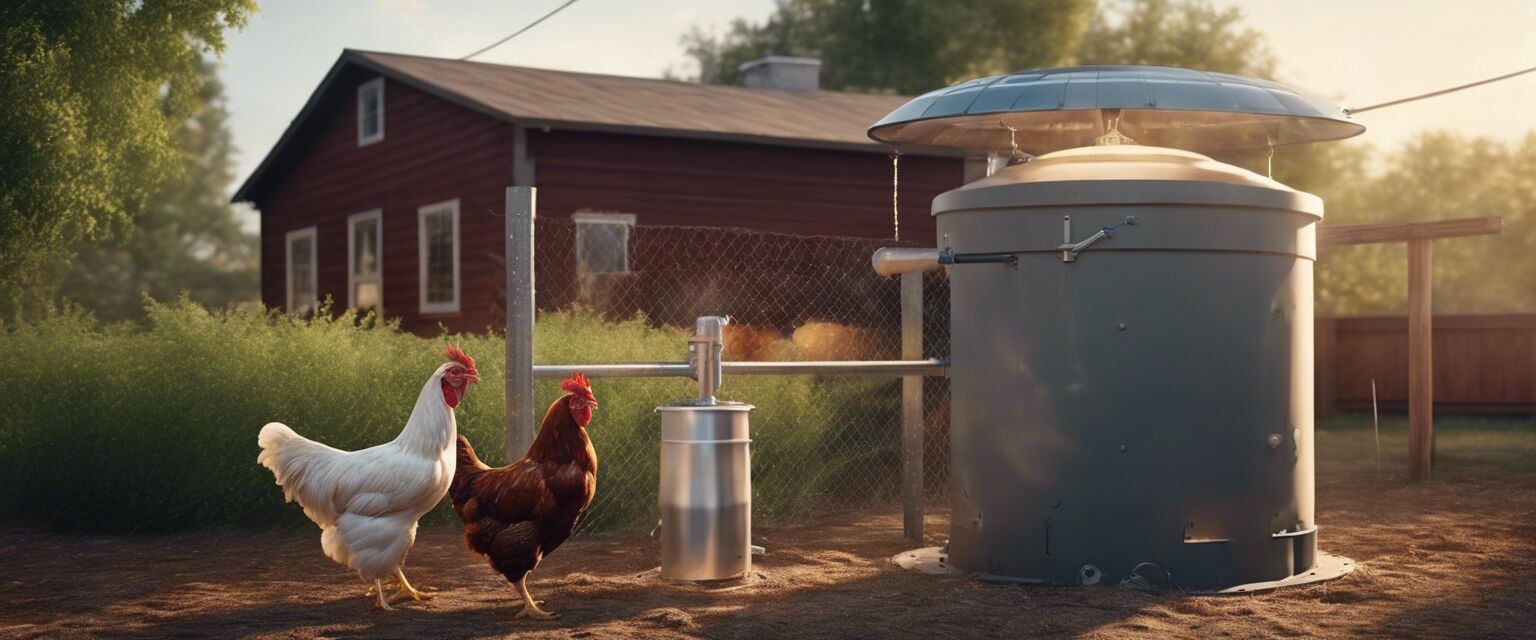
406, 590
374, 589
530, 608
378, 592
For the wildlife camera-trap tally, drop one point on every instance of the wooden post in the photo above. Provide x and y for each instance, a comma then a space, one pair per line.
1421, 385
912, 408
519, 367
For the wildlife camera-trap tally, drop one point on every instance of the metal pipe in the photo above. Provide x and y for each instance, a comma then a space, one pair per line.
890, 261
892, 368
634, 370
704, 350
521, 407
949, 257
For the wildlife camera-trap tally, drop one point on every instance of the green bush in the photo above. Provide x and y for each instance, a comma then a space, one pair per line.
154, 428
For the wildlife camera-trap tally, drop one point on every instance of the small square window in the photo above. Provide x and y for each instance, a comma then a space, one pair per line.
602, 242
370, 112
602, 249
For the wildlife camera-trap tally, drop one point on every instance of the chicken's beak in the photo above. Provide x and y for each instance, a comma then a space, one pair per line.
473, 376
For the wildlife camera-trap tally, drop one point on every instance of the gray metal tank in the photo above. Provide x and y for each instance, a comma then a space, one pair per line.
1138, 404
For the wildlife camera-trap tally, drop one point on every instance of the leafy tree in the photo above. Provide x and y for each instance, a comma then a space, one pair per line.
905, 46
186, 236
1188, 33
1441, 175
91, 95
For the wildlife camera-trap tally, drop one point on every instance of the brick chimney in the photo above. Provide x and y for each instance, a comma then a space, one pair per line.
782, 73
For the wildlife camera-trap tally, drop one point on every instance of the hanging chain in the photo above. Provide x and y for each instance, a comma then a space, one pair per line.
1018, 157
895, 195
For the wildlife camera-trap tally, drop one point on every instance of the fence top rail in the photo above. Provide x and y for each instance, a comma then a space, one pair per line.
894, 368
1344, 235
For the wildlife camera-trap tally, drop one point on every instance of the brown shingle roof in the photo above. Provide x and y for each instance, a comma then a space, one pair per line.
543, 96
594, 102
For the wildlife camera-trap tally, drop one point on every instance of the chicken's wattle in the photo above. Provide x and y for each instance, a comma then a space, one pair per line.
452, 394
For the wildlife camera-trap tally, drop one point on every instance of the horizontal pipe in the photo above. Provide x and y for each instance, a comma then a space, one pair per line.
891, 261
641, 370
893, 368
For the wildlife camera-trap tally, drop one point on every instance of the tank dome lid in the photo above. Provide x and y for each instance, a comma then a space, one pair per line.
1128, 175
1045, 110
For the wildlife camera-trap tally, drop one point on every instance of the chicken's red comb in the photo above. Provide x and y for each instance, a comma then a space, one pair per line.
577, 384
457, 355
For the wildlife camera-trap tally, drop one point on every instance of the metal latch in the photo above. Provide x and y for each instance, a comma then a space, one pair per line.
1070, 249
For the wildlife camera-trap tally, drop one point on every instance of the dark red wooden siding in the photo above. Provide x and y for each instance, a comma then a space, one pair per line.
770, 188
432, 151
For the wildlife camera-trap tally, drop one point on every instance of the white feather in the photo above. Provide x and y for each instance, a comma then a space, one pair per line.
367, 502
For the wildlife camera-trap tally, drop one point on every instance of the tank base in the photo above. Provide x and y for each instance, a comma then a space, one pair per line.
935, 560
1327, 567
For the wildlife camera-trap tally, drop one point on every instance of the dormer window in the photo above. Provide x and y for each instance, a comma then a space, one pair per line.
370, 112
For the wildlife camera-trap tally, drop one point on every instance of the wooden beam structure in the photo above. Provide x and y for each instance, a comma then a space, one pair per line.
1421, 384
1351, 234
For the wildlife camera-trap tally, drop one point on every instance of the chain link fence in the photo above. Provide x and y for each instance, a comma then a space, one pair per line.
820, 443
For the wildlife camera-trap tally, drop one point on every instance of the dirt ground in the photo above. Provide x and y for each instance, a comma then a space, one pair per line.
1453, 558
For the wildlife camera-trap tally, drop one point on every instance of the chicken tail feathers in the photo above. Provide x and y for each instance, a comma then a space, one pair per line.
302, 467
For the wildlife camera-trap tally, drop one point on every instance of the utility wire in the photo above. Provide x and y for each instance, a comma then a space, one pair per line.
1440, 92
519, 32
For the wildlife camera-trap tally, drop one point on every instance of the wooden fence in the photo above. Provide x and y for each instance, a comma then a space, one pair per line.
1482, 363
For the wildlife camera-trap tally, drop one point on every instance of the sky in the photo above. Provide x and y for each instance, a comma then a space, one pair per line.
1359, 51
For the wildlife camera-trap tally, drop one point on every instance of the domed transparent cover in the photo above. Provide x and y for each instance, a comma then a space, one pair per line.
1046, 110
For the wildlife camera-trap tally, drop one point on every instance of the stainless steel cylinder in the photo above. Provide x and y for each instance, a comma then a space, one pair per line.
706, 491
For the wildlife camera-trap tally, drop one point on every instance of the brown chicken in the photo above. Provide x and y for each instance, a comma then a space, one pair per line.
517, 514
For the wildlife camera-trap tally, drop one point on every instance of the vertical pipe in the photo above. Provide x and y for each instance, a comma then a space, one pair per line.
520, 310
912, 408
1421, 401
704, 350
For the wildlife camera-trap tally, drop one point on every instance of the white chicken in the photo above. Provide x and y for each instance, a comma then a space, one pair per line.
367, 502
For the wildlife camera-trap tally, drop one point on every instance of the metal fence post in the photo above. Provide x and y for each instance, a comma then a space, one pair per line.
520, 309
912, 408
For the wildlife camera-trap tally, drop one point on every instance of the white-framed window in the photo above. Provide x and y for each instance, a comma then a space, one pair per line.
302, 290
370, 112
365, 261
602, 242
438, 233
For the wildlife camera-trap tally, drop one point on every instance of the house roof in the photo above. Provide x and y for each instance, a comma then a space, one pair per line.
618, 104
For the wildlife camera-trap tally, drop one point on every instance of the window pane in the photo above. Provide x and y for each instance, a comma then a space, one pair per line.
365, 256
300, 277
372, 100
602, 248
367, 295
439, 257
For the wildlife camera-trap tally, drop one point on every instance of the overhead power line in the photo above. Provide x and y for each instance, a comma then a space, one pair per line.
519, 32
1440, 92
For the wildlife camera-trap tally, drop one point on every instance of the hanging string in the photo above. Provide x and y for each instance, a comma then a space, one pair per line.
895, 195
1440, 92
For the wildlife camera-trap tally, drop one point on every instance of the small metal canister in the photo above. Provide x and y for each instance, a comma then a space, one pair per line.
706, 491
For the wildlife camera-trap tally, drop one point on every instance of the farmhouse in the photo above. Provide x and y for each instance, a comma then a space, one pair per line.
387, 189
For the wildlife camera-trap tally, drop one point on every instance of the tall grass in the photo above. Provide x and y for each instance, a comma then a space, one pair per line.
154, 428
